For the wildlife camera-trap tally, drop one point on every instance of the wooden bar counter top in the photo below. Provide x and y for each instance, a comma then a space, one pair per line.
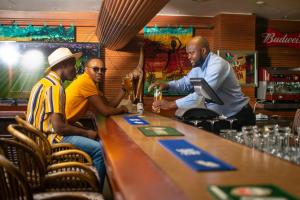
139, 168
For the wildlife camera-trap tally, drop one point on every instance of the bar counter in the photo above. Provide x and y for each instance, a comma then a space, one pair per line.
140, 168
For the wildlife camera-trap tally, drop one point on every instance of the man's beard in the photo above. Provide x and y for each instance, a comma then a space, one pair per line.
199, 63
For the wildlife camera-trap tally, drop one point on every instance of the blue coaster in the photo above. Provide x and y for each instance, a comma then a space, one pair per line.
195, 157
135, 120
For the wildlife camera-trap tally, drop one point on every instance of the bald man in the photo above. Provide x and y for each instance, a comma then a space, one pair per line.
219, 75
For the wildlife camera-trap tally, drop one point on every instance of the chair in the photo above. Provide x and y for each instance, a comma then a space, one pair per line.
296, 122
15, 186
66, 176
29, 163
56, 152
55, 147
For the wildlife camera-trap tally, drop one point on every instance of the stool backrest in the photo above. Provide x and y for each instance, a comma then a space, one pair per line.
32, 139
36, 135
13, 184
29, 162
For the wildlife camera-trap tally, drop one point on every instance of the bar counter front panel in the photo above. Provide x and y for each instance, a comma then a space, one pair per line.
140, 168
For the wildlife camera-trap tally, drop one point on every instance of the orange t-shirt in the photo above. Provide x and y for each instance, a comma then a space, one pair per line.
77, 94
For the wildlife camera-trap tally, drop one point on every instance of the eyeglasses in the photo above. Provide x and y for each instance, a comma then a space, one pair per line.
100, 70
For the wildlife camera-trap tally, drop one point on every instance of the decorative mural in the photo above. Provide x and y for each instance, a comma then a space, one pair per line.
165, 55
37, 33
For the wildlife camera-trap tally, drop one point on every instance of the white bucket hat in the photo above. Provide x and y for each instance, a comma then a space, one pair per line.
60, 55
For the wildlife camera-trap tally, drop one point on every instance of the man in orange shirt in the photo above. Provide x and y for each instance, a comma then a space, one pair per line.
83, 93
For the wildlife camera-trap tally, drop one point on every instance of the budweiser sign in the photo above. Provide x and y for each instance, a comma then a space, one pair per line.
275, 38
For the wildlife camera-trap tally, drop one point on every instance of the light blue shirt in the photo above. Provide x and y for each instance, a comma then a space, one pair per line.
220, 76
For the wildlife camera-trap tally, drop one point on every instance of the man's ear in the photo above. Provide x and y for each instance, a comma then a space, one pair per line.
203, 51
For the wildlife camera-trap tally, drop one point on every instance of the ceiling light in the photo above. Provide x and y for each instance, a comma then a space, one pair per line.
9, 54
32, 59
200, 0
260, 3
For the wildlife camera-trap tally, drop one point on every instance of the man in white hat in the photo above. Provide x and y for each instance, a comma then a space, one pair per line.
46, 108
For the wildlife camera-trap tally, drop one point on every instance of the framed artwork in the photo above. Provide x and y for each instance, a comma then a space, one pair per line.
22, 64
244, 64
165, 55
37, 33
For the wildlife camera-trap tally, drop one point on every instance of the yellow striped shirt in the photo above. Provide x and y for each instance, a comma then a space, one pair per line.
47, 96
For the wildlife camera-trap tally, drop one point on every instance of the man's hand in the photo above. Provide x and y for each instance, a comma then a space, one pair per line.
124, 108
127, 105
92, 134
163, 104
136, 73
161, 86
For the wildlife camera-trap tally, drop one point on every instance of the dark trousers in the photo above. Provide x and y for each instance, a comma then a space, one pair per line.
245, 117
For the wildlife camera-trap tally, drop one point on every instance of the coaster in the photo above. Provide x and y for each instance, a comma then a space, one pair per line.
135, 120
249, 192
159, 131
195, 157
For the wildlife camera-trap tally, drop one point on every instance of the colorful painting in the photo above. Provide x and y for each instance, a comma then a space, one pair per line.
22, 64
165, 55
37, 33
244, 65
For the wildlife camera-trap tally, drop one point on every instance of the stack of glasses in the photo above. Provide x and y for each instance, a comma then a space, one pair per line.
273, 139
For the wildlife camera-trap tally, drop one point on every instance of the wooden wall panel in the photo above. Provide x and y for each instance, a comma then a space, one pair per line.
234, 32
86, 34
80, 19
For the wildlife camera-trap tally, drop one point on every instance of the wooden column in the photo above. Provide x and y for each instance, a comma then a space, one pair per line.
120, 20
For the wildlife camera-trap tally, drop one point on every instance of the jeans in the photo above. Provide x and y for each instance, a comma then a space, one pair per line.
93, 148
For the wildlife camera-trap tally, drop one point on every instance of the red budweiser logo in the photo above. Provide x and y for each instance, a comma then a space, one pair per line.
275, 38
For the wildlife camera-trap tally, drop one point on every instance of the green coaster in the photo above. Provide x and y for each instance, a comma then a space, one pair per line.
249, 192
159, 131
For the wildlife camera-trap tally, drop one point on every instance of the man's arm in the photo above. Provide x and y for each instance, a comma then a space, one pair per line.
106, 110
163, 104
116, 100
60, 126
184, 102
181, 85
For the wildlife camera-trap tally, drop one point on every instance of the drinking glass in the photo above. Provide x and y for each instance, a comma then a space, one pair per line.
157, 96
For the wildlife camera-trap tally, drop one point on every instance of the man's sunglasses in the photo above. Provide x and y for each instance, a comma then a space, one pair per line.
100, 70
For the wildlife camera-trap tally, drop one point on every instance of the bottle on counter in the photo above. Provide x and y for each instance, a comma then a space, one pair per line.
140, 107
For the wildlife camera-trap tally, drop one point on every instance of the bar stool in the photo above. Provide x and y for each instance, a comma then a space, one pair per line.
15, 186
